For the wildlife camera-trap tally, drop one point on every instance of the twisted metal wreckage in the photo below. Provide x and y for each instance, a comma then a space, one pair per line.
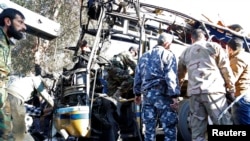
82, 111
138, 23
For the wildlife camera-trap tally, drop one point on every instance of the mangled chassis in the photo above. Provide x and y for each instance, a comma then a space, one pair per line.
130, 24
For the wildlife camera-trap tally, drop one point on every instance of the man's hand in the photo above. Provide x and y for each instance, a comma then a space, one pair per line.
137, 100
230, 97
175, 104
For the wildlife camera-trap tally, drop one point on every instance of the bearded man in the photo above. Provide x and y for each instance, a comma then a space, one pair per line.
11, 26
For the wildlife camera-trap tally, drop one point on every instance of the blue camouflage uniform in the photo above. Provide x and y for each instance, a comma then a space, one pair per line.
156, 78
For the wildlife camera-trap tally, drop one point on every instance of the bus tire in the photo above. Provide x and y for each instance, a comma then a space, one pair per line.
183, 124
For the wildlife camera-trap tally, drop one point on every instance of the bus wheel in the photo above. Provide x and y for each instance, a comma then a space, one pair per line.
183, 124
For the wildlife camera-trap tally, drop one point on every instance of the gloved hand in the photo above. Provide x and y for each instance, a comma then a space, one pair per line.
230, 96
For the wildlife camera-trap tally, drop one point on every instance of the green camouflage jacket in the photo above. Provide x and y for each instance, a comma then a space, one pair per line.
5, 54
121, 73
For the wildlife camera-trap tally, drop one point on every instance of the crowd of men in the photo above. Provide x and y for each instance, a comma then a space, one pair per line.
215, 77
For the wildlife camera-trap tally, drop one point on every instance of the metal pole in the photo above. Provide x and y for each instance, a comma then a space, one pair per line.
94, 50
231, 105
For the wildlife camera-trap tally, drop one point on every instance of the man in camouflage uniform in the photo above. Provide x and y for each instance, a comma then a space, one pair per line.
156, 79
209, 77
11, 25
120, 75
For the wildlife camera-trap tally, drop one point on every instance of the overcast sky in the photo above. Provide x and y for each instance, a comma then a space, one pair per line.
229, 11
